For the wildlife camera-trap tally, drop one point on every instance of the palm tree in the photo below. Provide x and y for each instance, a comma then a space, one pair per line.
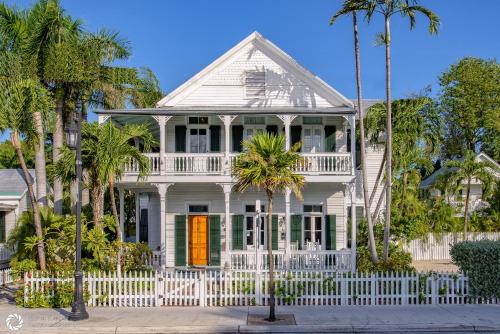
348, 8
14, 32
388, 8
19, 96
466, 170
265, 164
114, 153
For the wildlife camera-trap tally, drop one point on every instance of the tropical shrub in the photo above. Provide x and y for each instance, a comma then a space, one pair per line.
481, 261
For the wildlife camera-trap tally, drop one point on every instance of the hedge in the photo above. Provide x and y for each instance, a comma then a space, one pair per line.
481, 261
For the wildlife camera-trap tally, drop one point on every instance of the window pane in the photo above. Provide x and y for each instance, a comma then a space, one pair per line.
307, 223
193, 131
249, 208
203, 132
317, 237
249, 238
193, 120
249, 223
307, 236
311, 120
317, 225
198, 208
202, 120
202, 141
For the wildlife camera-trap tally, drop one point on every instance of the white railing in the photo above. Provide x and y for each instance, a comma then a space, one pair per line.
295, 259
246, 288
438, 246
194, 163
325, 163
6, 276
132, 166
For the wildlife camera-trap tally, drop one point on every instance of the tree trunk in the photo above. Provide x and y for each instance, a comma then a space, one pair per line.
270, 259
40, 169
58, 140
14, 137
117, 222
97, 212
371, 237
388, 144
466, 208
379, 204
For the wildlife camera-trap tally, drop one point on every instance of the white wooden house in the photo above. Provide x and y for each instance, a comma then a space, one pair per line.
186, 209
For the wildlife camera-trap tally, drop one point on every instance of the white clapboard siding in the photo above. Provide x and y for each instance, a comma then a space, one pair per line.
438, 246
248, 288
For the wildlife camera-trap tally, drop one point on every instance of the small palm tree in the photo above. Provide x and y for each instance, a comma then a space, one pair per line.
265, 164
19, 96
113, 154
466, 170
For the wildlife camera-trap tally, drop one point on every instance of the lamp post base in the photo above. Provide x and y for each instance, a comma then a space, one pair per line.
78, 311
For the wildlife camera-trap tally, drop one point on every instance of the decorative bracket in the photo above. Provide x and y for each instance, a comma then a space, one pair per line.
161, 119
227, 118
226, 187
162, 188
287, 119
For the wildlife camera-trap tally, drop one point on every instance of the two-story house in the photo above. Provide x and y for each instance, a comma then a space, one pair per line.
186, 209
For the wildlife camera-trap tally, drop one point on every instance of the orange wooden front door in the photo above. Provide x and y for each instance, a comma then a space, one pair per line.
198, 240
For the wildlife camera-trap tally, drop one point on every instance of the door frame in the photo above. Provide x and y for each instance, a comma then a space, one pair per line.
190, 262
190, 214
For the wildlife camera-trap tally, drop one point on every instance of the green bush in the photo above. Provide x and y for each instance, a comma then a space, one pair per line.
481, 261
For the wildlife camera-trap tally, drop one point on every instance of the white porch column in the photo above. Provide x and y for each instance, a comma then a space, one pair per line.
121, 195
287, 219
227, 119
354, 228
137, 216
162, 122
226, 188
162, 191
352, 123
287, 121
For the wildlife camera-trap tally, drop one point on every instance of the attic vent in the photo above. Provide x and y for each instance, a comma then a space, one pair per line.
255, 84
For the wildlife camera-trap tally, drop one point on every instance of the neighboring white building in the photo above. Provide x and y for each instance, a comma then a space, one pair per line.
476, 201
186, 209
13, 202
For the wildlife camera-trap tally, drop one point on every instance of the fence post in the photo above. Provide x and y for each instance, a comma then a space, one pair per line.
373, 289
434, 295
202, 283
258, 287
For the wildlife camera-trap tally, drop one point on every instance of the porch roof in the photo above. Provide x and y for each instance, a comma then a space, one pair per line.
228, 110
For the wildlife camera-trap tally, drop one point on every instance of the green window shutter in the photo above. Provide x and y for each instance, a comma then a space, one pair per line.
180, 240
215, 138
296, 230
180, 138
237, 227
272, 129
214, 258
2, 226
237, 134
295, 134
331, 232
275, 232
330, 131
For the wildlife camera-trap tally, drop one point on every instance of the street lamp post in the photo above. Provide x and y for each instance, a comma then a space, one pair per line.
74, 141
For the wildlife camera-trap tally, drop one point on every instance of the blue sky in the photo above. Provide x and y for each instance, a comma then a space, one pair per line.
176, 39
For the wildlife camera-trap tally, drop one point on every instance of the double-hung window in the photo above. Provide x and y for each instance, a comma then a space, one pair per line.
312, 138
253, 125
313, 226
250, 229
198, 134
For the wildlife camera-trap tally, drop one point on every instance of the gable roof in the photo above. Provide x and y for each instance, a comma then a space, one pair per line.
12, 182
428, 181
257, 40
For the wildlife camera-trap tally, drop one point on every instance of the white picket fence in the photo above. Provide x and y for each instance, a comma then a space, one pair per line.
438, 246
246, 288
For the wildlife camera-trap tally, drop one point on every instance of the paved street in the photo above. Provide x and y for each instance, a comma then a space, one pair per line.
377, 319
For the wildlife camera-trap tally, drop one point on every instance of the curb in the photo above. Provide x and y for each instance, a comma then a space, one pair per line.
269, 329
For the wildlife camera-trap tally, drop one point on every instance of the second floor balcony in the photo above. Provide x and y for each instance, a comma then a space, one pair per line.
219, 164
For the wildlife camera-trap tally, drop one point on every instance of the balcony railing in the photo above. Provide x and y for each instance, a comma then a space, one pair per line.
215, 164
295, 259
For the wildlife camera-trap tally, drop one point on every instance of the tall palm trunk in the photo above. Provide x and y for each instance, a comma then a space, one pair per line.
40, 169
466, 208
96, 194
388, 144
270, 258
117, 222
14, 138
56, 154
371, 237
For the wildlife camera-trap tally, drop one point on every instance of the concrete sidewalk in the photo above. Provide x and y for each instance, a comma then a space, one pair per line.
347, 319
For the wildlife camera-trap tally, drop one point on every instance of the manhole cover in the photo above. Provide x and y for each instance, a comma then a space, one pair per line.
261, 320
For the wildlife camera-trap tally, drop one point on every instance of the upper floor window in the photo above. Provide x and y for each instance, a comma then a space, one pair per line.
255, 84
312, 120
198, 120
253, 120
